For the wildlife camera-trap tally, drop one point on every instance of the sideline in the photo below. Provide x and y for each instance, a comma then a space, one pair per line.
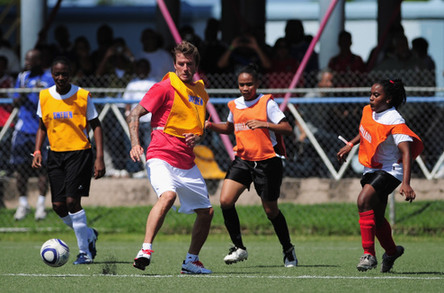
225, 276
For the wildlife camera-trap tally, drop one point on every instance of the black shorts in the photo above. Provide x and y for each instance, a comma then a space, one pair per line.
266, 176
70, 174
383, 182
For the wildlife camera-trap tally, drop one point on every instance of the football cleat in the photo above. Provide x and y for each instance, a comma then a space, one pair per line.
367, 262
82, 259
92, 243
290, 259
235, 254
21, 212
142, 259
40, 212
195, 267
388, 261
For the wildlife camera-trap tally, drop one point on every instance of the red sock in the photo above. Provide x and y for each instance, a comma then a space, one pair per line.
384, 235
367, 225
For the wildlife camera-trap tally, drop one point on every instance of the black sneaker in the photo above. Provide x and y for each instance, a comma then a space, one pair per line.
290, 259
92, 243
388, 261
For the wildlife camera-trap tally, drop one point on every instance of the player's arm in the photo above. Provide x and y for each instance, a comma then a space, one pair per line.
342, 154
39, 138
99, 164
406, 190
224, 128
133, 125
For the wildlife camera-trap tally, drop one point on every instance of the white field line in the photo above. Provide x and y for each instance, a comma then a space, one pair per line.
215, 276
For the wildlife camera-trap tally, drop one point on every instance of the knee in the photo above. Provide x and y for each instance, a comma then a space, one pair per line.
271, 213
60, 209
205, 214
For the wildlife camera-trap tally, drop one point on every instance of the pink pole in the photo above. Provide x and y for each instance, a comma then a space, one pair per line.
307, 55
177, 38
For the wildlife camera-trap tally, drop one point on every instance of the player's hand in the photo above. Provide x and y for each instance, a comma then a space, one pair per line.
99, 168
342, 154
253, 124
191, 139
136, 152
408, 192
37, 161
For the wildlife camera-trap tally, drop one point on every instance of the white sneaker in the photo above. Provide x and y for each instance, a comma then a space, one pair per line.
195, 267
235, 254
21, 212
290, 259
143, 259
140, 174
367, 262
40, 212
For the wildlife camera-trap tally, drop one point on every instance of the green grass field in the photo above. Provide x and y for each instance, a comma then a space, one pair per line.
326, 264
326, 238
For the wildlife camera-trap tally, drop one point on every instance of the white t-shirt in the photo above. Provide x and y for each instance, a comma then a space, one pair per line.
135, 90
388, 153
274, 114
161, 63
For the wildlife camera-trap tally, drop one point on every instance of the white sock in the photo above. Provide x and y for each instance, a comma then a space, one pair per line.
23, 200
68, 221
41, 200
81, 230
147, 246
191, 258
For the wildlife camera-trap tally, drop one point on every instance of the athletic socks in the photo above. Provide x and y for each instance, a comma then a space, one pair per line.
281, 229
68, 221
147, 246
384, 235
23, 201
231, 220
81, 230
191, 258
367, 225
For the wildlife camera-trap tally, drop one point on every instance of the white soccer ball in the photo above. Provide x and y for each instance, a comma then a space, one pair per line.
54, 252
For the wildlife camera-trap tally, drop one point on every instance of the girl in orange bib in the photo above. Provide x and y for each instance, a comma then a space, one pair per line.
387, 150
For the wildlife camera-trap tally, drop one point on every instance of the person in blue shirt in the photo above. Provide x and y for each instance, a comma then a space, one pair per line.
23, 139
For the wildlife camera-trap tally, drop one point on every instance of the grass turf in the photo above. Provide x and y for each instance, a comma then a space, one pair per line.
327, 264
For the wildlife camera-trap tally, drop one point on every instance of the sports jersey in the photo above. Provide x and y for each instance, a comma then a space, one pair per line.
380, 134
176, 108
65, 118
257, 144
28, 121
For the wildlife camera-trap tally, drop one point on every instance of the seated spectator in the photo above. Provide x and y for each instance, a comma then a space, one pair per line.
347, 66
83, 67
284, 66
244, 50
13, 60
298, 42
6, 81
187, 33
212, 48
161, 60
105, 38
420, 48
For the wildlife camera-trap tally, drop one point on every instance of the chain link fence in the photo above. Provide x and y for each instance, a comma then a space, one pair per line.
318, 116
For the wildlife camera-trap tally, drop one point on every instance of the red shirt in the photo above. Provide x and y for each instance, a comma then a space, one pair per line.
158, 101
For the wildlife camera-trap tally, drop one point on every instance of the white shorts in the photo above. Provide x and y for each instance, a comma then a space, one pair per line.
188, 184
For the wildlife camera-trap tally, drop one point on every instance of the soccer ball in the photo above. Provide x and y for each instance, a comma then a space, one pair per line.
54, 252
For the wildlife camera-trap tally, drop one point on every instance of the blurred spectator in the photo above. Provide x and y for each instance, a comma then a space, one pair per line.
63, 45
187, 34
212, 48
117, 66
83, 67
25, 132
6, 81
13, 60
402, 57
297, 40
135, 91
420, 48
47, 54
161, 61
115, 71
347, 66
283, 66
105, 38
244, 50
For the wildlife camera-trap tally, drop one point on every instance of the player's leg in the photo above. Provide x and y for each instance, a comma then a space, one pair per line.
22, 176
40, 212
